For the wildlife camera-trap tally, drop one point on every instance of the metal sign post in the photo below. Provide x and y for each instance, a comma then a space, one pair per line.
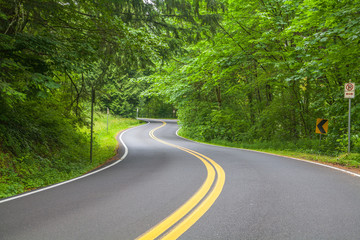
349, 126
349, 93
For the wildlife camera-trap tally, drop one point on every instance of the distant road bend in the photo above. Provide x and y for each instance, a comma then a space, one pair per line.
170, 188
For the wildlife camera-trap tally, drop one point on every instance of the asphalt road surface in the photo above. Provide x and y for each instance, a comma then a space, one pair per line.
168, 187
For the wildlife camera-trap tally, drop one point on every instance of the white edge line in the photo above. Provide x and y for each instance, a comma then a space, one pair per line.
298, 159
77, 178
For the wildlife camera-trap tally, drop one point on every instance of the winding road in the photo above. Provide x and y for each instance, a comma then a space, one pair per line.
167, 187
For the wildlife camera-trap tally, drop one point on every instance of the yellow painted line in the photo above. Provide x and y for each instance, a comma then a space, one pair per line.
192, 218
186, 208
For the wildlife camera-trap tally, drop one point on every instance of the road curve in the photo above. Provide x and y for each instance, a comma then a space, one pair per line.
263, 197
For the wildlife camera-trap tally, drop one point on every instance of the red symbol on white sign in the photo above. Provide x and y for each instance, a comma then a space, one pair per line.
349, 90
349, 87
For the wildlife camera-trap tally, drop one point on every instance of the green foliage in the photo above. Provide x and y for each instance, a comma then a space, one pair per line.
55, 54
352, 160
272, 68
56, 154
249, 72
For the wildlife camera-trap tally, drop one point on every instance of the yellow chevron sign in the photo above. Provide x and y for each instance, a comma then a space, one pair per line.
322, 126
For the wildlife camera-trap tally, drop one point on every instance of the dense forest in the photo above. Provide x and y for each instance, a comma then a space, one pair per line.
59, 59
255, 71
271, 69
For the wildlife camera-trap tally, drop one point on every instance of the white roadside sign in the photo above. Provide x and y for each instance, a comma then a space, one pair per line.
349, 90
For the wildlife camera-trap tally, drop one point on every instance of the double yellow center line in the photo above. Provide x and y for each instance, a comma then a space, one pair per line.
184, 217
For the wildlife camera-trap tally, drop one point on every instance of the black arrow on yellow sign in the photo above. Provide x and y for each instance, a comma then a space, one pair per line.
322, 126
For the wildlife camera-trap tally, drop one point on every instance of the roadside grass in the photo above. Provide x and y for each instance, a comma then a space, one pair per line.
306, 150
105, 141
68, 159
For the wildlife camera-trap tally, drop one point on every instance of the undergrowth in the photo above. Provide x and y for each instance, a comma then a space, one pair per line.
58, 153
308, 149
